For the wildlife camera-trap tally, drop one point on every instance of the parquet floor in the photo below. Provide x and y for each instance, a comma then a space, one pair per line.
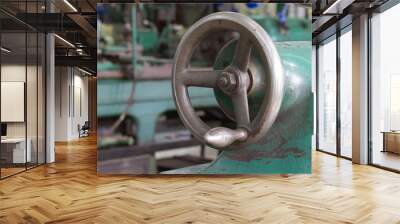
10, 171
69, 191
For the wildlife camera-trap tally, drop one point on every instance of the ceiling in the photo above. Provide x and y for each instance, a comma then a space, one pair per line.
72, 20
332, 15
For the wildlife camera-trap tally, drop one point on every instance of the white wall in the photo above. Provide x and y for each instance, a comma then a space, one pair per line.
71, 87
33, 126
80, 94
16, 73
13, 101
10, 73
62, 80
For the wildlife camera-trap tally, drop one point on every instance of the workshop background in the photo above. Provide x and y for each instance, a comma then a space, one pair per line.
139, 130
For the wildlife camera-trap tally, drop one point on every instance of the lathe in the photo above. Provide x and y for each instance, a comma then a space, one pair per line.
265, 87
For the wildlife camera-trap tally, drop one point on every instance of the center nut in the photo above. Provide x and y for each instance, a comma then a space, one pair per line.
227, 82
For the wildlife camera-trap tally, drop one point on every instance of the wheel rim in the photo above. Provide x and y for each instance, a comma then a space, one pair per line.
252, 37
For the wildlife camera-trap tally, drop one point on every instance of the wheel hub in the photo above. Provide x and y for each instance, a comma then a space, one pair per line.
231, 80
227, 82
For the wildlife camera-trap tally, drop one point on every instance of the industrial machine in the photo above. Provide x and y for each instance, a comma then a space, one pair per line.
265, 87
134, 94
273, 133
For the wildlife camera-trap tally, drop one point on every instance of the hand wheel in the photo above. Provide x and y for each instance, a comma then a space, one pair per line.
234, 80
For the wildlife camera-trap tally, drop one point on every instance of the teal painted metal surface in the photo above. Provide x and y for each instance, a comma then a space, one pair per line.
107, 66
151, 99
134, 42
148, 39
287, 146
298, 29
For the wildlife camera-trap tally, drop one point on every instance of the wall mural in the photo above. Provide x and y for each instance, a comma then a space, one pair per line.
204, 88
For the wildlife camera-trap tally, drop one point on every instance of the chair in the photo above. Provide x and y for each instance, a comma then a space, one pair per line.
84, 130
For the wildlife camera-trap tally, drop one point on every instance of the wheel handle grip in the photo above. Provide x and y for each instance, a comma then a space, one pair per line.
221, 137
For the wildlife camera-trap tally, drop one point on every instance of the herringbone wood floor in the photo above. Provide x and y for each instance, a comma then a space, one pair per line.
69, 191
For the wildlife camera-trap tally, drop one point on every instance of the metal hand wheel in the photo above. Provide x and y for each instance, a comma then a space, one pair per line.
234, 80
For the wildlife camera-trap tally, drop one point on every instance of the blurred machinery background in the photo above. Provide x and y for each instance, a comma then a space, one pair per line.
138, 126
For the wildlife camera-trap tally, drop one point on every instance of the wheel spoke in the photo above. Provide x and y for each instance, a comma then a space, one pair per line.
200, 77
241, 108
242, 53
